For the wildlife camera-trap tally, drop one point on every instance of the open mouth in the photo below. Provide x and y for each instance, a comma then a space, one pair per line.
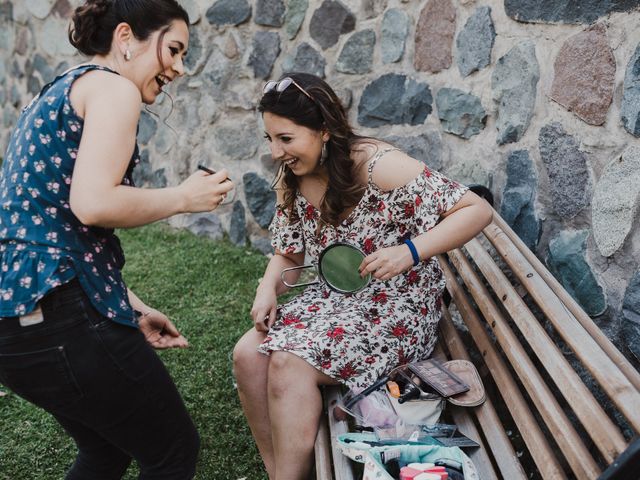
162, 80
292, 161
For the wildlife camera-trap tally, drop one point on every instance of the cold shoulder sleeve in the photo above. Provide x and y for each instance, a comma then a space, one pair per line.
432, 194
286, 233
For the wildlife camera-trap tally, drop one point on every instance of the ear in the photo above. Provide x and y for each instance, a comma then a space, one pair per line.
122, 37
325, 136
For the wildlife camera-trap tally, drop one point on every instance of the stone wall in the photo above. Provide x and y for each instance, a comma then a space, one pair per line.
538, 100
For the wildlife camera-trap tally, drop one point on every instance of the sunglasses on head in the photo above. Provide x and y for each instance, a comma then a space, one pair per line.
282, 85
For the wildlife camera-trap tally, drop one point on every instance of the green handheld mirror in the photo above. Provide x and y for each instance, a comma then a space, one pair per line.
337, 267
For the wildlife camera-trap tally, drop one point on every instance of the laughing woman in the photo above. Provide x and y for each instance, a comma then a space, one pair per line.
341, 187
73, 339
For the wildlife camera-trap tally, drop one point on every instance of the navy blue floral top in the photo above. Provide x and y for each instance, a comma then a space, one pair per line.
42, 243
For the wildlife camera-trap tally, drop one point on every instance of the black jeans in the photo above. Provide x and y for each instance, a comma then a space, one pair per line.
105, 385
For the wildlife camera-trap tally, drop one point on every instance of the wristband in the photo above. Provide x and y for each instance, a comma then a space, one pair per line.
414, 252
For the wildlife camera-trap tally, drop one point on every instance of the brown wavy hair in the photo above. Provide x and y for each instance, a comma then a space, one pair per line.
323, 111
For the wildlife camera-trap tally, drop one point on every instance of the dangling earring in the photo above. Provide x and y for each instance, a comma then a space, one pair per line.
323, 154
127, 55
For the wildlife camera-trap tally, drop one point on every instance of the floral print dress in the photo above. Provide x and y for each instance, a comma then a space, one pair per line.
357, 337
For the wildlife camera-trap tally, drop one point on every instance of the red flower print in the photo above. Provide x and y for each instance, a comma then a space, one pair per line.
427, 172
370, 360
326, 365
337, 333
299, 326
399, 330
347, 371
313, 308
290, 319
418, 200
368, 246
413, 277
308, 213
380, 298
381, 206
409, 209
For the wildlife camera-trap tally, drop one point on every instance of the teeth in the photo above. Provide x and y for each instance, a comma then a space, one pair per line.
289, 162
162, 79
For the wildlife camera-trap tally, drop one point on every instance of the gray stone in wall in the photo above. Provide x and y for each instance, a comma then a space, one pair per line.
55, 41
426, 147
269, 13
584, 73
33, 85
3, 73
373, 8
61, 68
229, 12
9, 117
567, 261
306, 60
261, 199
237, 141
567, 170
434, 36
394, 99
7, 37
205, 224
238, 225
23, 39
514, 81
393, 34
356, 56
3, 97
565, 11
266, 48
195, 49
630, 321
16, 97
193, 11
216, 75
330, 21
262, 245
159, 178
518, 198
470, 173
460, 113
630, 109
475, 42
6, 12
143, 172
615, 201
41, 66
39, 8
147, 127
296, 11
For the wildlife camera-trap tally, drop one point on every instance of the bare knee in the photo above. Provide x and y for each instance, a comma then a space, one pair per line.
285, 369
246, 358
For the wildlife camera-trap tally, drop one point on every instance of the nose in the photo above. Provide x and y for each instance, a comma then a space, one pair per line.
277, 152
178, 66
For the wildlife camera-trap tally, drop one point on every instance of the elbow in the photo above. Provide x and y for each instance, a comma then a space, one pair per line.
88, 212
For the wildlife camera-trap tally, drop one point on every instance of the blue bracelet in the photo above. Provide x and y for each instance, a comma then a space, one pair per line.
414, 252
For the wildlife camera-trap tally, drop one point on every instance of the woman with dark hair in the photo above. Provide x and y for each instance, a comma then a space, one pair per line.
73, 339
341, 187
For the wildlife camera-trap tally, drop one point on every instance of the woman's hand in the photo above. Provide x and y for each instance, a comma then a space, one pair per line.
159, 331
264, 309
203, 192
387, 262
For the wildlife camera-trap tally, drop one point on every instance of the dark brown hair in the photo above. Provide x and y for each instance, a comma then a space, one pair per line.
321, 112
94, 22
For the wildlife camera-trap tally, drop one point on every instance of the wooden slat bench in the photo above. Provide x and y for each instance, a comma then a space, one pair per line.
536, 351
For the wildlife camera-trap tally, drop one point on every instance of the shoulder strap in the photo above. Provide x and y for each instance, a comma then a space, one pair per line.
376, 157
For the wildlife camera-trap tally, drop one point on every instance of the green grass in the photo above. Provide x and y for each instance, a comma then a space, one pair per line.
207, 289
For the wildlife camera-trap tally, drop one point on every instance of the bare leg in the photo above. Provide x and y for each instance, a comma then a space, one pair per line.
295, 405
251, 368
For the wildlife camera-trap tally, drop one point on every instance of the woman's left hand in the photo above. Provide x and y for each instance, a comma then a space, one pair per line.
160, 332
387, 262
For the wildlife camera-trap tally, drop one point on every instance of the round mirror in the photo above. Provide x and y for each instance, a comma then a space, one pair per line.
338, 266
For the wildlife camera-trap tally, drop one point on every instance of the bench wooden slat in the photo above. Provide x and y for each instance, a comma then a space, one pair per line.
598, 335
618, 387
487, 417
322, 450
541, 451
595, 420
341, 464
